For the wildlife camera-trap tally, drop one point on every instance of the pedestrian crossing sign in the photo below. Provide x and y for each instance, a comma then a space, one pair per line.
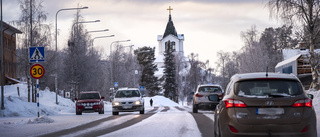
36, 54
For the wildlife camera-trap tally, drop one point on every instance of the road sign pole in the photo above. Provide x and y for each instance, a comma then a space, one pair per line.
37, 91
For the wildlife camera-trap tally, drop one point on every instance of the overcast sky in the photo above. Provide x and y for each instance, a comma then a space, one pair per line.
208, 25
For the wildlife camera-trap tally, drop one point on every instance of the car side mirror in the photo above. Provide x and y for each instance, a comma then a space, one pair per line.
75, 98
310, 96
102, 97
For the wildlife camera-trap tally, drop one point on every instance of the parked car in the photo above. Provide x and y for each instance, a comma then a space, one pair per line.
265, 104
127, 100
206, 97
89, 101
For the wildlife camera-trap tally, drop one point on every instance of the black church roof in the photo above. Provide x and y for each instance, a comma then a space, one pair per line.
170, 29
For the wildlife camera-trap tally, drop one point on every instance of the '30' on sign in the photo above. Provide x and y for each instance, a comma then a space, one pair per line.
37, 71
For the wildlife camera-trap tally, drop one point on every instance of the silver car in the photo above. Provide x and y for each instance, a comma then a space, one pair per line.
207, 97
127, 100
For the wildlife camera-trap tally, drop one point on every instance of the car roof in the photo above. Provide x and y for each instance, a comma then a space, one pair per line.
214, 85
128, 89
262, 75
89, 92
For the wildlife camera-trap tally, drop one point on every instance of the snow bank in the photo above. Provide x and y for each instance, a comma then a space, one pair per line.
16, 105
159, 101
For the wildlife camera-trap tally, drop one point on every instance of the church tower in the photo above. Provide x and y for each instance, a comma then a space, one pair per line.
170, 35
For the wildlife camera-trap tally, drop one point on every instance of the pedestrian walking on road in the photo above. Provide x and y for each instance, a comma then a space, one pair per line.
151, 102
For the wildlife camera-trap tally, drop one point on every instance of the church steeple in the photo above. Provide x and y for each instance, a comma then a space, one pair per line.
170, 29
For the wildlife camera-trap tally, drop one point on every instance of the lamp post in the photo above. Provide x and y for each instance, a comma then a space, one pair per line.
111, 78
100, 37
97, 31
56, 76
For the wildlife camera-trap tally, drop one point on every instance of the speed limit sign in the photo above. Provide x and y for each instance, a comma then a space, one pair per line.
37, 71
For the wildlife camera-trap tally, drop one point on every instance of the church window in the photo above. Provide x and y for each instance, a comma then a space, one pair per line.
172, 45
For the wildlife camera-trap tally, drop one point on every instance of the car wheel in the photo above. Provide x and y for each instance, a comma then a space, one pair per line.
115, 113
78, 113
142, 111
195, 108
102, 111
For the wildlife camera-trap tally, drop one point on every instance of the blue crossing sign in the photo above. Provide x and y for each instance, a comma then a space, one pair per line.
36, 54
142, 88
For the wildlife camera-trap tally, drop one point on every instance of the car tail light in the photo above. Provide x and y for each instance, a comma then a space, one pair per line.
198, 95
220, 96
234, 103
233, 129
305, 129
303, 103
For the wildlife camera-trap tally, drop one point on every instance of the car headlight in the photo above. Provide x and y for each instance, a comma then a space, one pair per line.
116, 103
96, 103
137, 102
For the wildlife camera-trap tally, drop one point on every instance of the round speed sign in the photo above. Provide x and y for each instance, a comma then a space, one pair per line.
37, 71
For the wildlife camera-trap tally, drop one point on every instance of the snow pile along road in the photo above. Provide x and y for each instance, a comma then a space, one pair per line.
16, 105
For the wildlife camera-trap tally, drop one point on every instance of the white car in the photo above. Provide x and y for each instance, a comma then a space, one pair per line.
127, 100
207, 97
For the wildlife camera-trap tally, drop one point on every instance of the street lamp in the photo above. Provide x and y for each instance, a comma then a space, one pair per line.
111, 79
99, 38
56, 78
93, 21
97, 31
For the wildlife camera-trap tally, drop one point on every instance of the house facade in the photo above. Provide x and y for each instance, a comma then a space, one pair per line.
9, 54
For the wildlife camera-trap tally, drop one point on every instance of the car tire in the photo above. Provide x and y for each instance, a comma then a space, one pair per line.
115, 113
102, 111
78, 113
195, 108
142, 111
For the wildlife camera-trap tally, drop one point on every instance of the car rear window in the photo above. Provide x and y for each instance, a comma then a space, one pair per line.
89, 96
209, 89
268, 88
127, 93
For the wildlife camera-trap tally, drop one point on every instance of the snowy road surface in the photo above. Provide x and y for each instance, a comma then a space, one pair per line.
166, 118
157, 122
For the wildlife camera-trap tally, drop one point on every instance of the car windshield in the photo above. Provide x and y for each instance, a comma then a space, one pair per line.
209, 89
89, 96
268, 88
127, 93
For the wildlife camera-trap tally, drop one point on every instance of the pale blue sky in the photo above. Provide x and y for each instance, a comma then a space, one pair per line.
208, 25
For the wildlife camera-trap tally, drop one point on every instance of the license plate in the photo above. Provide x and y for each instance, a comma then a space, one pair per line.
213, 98
126, 107
88, 107
270, 111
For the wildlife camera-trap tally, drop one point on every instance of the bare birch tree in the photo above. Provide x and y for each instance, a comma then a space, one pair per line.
307, 13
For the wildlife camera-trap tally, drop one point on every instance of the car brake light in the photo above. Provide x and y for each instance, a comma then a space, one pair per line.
305, 129
303, 103
233, 129
220, 96
234, 103
198, 95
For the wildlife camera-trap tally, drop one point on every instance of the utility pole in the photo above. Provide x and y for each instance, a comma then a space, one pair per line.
2, 71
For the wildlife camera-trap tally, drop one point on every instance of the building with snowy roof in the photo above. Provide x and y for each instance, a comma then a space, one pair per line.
296, 61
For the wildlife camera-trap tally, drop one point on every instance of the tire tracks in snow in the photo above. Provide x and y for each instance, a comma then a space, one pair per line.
83, 127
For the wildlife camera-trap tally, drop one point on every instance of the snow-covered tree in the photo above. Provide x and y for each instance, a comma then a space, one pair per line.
307, 13
36, 33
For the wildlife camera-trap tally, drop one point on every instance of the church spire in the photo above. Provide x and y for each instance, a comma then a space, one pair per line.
170, 29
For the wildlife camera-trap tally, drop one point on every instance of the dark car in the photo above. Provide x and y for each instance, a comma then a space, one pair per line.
206, 97
89, 101
265, 105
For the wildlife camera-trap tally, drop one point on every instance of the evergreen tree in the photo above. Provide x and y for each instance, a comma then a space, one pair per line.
146, 57
170, 86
